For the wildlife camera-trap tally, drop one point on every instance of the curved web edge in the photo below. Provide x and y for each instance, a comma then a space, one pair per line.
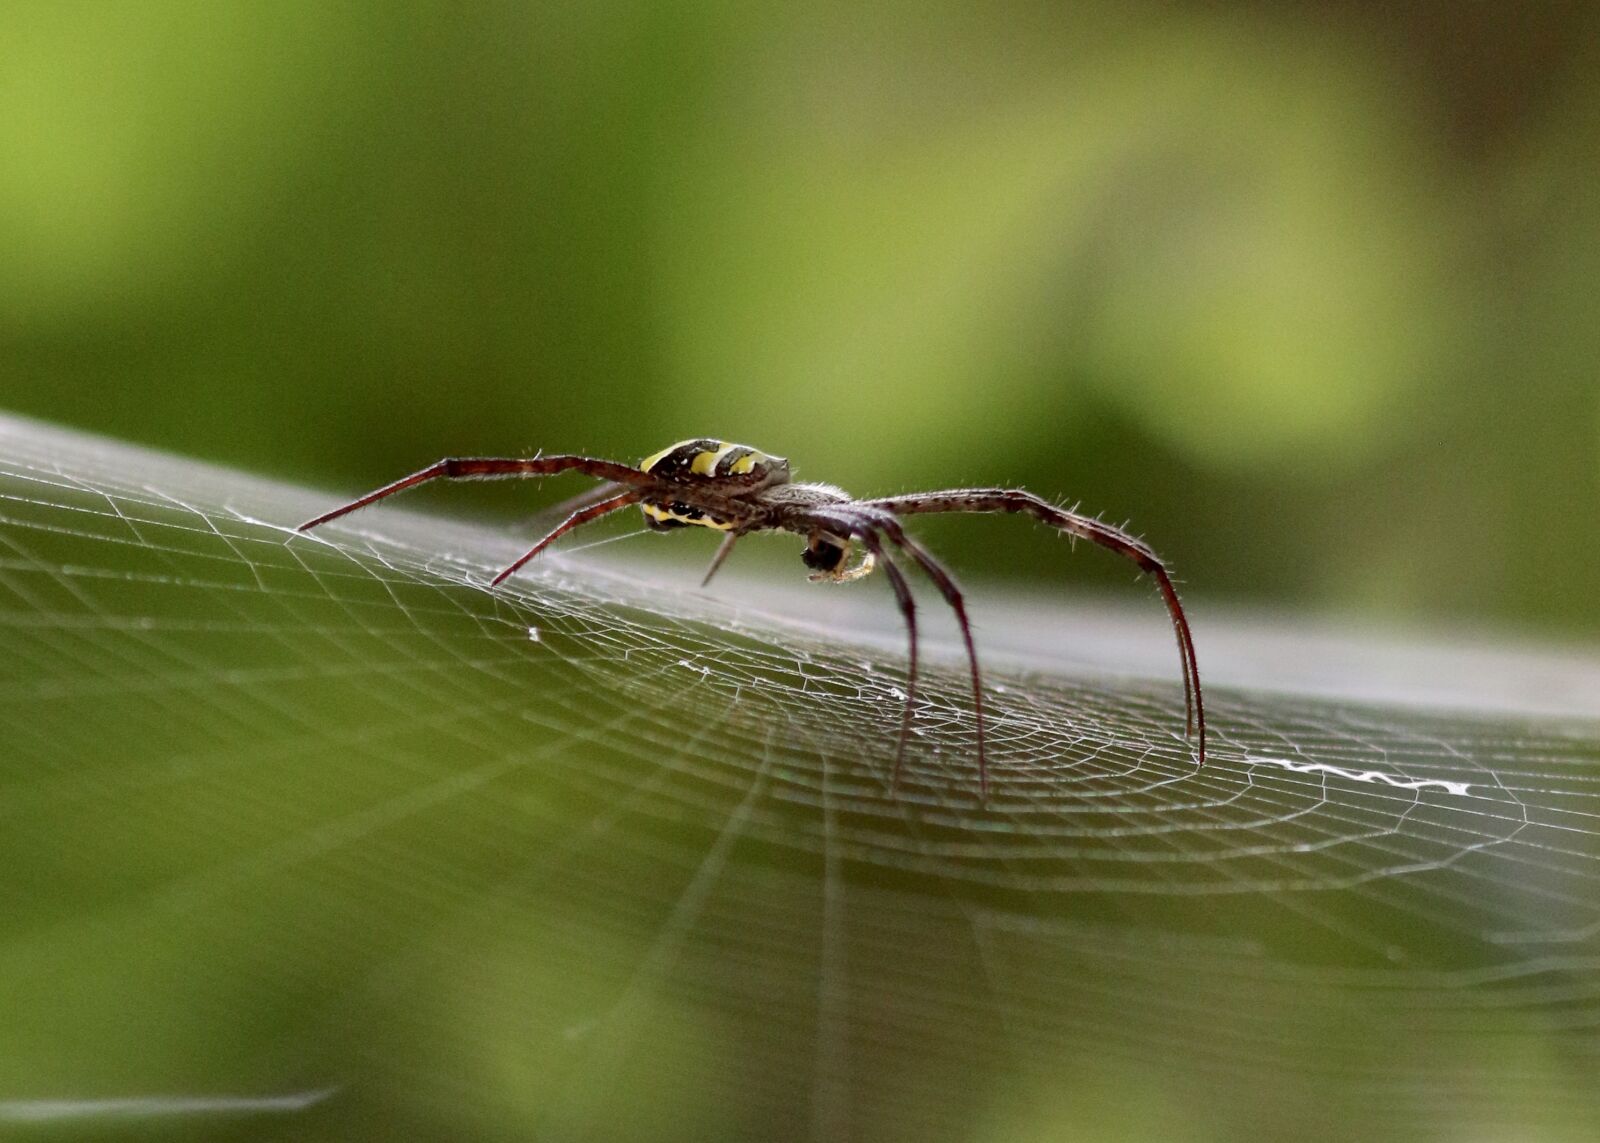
251, 756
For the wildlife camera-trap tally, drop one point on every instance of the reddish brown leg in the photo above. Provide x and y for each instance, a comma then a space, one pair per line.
1096, 531
945, 582
490, 468
908, 609
863, 521
722, 554
577, 519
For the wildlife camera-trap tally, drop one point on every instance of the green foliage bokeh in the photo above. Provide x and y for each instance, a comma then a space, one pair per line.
1303, 296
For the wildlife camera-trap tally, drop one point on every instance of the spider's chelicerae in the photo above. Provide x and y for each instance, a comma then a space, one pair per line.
736, 490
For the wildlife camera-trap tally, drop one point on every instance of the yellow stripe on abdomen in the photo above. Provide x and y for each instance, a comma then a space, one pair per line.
683, 514
705, 463
706, 458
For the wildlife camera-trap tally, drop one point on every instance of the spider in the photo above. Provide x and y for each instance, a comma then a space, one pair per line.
736, 490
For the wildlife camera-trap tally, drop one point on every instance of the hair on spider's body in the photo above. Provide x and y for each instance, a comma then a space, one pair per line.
735, 489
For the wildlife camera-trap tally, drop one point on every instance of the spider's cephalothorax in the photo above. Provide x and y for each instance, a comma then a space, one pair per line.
735, 489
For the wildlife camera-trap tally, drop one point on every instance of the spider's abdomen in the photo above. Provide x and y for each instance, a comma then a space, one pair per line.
704, 458
676, 515
717, 479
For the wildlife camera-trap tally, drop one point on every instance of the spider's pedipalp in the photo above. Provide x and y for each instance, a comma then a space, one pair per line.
824, 555
827, 556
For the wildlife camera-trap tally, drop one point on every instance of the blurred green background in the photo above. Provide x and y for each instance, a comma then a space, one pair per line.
1304, 292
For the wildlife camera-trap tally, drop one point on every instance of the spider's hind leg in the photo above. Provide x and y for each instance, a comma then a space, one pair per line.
577, 519
490, 468
722, 554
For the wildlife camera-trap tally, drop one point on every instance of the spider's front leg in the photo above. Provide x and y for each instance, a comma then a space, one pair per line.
908, 610
872, 525
1016, 500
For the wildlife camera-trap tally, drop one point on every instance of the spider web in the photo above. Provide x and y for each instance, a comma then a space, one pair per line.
314, 837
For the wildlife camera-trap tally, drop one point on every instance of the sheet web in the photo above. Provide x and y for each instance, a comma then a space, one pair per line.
597, 854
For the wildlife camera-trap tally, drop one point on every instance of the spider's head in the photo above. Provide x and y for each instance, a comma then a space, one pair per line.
826, 556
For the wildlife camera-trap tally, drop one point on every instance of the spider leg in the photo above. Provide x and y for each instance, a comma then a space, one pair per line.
555, 512
722, 553
581, 517
863, 518
490, 468
908, 609
1095, 531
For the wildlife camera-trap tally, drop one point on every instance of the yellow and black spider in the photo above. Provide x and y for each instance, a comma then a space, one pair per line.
736, 490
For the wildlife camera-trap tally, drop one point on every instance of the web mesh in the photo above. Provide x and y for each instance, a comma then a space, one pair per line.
311, 835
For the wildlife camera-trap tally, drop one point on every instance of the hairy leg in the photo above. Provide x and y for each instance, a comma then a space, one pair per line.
864, 519
490, 468
908, 609
723, 549
1088, 528
577, 519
